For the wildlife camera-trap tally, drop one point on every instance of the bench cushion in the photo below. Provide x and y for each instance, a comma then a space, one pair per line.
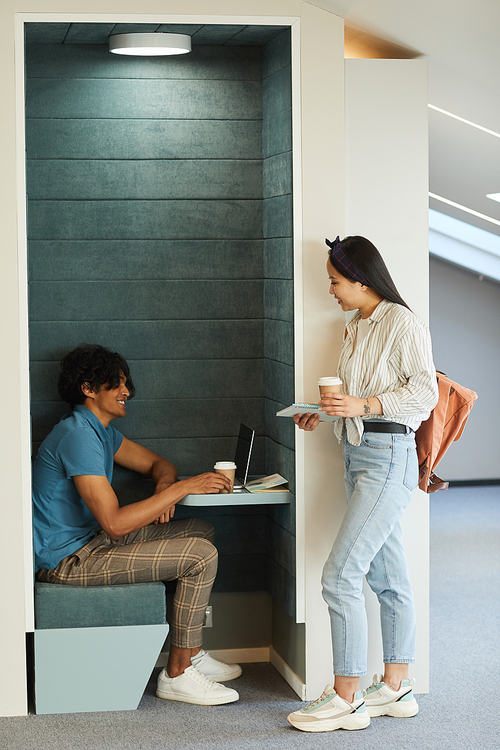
58, 606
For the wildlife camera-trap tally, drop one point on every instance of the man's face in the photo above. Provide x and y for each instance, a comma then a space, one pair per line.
108, 404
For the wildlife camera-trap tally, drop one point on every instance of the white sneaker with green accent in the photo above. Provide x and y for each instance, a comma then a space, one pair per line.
381, 700
331, 712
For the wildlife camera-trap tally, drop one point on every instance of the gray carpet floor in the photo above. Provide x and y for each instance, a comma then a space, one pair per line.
461, 711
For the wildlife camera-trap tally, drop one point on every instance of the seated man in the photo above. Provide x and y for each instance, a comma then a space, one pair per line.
82, 537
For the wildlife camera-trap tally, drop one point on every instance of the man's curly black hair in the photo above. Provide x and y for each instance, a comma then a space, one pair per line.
93, 365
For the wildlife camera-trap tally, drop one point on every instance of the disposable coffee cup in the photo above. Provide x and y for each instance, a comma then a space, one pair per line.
227, 468
329, 385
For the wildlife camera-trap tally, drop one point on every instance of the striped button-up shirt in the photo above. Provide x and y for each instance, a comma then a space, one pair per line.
394, 363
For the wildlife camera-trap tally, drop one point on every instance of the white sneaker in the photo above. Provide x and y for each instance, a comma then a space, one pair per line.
193, 687
381, 700
331, 712
215, 670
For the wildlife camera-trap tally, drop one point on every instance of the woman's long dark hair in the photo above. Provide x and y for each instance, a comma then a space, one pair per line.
367, 259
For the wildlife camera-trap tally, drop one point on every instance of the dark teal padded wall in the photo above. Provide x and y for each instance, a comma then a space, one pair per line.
278, 310
145, 218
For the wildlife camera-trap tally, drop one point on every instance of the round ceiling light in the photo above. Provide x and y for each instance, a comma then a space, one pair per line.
150, 44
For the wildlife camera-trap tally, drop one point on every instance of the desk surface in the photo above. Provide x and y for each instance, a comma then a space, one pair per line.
239, 497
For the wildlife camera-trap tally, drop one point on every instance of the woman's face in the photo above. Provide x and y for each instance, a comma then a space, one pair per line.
347, 293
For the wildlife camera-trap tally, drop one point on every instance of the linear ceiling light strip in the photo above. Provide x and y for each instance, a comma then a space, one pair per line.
464, 208
467, 122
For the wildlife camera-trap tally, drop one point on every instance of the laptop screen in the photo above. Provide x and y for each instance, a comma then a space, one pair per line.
243, 453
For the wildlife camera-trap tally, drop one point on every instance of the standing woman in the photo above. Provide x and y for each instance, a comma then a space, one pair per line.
389, 388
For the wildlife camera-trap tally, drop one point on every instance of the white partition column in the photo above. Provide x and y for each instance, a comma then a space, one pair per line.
386, 201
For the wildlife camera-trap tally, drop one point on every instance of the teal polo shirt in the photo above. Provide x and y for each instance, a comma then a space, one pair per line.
78, 445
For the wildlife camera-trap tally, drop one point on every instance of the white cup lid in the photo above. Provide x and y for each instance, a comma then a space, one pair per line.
329, 381
225, 465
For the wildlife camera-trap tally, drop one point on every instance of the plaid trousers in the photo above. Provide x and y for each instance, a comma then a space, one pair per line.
178, 550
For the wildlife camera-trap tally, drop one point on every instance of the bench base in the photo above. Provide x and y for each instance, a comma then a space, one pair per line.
94, 669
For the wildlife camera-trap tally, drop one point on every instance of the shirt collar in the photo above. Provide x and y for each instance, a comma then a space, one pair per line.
380, 312
91, 418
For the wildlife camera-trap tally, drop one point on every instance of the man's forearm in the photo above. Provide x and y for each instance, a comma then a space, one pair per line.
163, 473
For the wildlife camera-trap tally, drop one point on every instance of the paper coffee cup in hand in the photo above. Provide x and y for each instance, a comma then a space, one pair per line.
227, 468
329, 385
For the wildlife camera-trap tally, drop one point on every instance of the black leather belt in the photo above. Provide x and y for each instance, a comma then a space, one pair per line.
386, 427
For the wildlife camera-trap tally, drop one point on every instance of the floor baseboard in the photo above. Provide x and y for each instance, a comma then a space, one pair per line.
287, 673
230, 655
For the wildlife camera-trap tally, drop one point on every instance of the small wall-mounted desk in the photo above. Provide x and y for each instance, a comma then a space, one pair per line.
238, 497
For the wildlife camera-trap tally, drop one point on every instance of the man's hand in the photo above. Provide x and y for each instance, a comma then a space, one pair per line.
204, 484
165, 517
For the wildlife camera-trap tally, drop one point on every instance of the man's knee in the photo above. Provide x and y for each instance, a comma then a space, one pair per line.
203, 529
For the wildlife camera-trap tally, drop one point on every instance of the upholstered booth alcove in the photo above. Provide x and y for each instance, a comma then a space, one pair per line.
160, 225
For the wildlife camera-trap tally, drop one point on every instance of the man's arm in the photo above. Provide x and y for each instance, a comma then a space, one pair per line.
138, 458
133, 456
101, 500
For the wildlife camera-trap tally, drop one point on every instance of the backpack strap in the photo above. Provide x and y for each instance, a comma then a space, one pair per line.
436, 483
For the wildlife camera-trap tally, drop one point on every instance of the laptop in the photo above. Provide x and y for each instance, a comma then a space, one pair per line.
242, 455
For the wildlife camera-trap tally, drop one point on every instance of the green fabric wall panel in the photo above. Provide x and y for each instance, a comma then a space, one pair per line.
282, 545
279, 379
191, 456
281, 586
144, 139
277, 133
278, 341
178, 378
282, 457
215, 33
140, 220
241, 573
207, 417
279, 429
278, 299
277, 54
241, 534
48, 33
277, 175
278, 258
95, 61
278, 216
147, 300
82, 33
284, 515
181, 339
81, 260
153, 179
156, 99
254, 35
167, 417
277, 92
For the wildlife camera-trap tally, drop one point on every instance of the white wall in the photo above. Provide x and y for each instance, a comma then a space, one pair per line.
386, 201
319, 462
465, 312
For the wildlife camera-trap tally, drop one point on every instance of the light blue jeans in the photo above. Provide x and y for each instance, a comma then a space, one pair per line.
381, 476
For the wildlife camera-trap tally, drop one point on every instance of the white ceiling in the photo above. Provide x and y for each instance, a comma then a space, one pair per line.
460, 40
